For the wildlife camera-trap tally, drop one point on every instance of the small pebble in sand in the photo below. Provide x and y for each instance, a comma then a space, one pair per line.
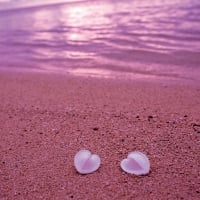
85, 162
136, 163
196, 127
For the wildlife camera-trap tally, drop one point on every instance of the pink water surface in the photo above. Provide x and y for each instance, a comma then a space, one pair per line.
104, 38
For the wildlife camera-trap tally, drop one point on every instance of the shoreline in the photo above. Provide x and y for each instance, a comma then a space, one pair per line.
46, 118
112, 75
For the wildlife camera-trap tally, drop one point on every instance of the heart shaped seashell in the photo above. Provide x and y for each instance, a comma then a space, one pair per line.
136, 163
85, 162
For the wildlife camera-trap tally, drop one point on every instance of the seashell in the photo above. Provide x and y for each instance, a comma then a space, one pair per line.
85, 162
136, 163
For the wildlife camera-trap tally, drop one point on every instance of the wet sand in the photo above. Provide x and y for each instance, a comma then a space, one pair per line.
46, 119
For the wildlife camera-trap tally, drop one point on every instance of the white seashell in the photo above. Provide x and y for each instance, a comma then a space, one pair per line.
136, 163
85, 162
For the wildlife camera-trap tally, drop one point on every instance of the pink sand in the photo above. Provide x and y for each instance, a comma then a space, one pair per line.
46, 119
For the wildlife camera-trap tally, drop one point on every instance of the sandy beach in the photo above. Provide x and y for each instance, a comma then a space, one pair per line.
46, 119
108, 76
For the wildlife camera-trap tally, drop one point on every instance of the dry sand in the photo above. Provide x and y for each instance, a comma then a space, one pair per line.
46, 119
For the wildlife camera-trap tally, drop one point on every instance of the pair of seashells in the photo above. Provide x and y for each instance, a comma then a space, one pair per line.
136, 163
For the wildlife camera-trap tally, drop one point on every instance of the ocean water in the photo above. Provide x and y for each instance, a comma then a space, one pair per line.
107, 38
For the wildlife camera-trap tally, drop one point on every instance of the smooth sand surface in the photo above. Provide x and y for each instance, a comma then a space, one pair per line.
46, 119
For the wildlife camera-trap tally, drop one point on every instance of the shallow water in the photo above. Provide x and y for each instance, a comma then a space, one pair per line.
104, 38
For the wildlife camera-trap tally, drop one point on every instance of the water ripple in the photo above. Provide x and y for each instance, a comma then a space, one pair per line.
103, 34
